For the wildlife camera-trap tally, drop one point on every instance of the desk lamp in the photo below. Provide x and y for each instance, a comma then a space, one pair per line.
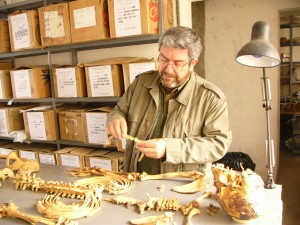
260, 53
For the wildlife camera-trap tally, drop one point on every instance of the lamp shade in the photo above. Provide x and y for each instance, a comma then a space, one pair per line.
259, 52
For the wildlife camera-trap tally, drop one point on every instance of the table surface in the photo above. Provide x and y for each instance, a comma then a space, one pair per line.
114, 214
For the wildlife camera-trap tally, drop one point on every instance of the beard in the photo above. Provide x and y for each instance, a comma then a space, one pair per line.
169, 81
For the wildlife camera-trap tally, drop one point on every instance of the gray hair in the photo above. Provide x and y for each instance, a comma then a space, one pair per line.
184, 38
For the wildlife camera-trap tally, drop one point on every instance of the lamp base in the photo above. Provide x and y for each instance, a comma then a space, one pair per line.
270, 182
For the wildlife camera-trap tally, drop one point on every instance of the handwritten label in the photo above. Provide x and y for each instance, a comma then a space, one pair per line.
66, 82
20, 31
101, 81
84, 17
22, 83
54, 25
36, 125
127, 17
96, 123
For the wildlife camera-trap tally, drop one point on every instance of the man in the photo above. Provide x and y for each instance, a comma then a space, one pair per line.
181, 118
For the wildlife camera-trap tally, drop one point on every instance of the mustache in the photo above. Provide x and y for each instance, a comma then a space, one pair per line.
168, 74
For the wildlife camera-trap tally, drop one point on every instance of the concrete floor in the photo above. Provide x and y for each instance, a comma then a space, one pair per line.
289, 177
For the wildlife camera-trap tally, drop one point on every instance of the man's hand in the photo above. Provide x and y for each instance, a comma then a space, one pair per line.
154, 148
117, 128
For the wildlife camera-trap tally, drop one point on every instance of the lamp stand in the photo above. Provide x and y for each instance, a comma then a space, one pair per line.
269, 143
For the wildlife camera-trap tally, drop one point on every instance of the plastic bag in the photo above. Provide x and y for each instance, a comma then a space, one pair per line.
237, 161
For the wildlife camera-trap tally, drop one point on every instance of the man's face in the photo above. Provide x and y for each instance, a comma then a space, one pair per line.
174, 66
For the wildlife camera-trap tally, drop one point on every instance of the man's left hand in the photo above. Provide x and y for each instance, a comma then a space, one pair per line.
154, 148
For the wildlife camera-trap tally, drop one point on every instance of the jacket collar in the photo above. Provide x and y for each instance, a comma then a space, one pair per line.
185, 93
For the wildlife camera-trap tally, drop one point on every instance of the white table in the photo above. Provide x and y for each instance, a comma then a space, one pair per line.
112, 214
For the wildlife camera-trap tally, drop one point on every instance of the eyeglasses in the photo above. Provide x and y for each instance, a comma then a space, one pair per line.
176, 67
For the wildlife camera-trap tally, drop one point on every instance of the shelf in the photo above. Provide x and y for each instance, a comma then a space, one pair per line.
289, 44
108, 43
289, 25
89, 99
64, 100
28, 4
28, 100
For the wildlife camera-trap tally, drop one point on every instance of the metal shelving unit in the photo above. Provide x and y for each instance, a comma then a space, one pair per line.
293, 84
73, 48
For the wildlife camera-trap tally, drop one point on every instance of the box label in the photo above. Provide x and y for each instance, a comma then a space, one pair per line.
5, 151
47, 159
70, 160
102, 163
22, 83
96, 123
66, 82
137, 68
127, 17
27, 155
36, 125
54, 25
101, 83
20, 31
3, 123
84, 17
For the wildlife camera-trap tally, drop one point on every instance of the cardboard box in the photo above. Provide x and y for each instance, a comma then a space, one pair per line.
55, 24
104, 78
131, 70
6, 65
30, 151
89, 20
94, 125
72, 156
5, 85
136, 17
69, 81
30, 82
39, 122
3, 151
95, 159
110, 160
169, 14
4, 36
24, 30
11, 119
71, 124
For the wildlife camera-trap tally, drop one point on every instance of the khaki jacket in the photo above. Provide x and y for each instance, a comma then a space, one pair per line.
196, 130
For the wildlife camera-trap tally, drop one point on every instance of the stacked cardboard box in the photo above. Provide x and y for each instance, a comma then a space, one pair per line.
72, 156
110, 160
69, 81
104, 78
24, 30
89, 20
71, 123
4, 36
131, 70
5, 83
11, 119
39, 122
31, 151
94, 124
30, 82
55, 24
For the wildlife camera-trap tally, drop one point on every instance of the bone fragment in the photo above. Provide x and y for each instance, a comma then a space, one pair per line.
190, 188
11, 210
197, 200
154, 220
194, 175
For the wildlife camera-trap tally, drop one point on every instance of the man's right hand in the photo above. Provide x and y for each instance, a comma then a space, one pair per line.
117, 128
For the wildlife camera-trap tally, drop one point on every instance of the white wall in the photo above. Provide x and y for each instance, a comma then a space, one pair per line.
228, 28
